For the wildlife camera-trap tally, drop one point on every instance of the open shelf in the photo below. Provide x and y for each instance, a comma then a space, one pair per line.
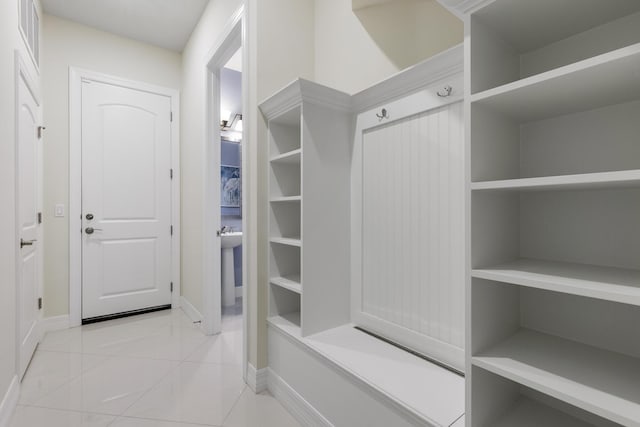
607, 283
286, 199
288, 157
291, 282
527, 412
607, 79
289, 323
617, 179
286, 241
596, 380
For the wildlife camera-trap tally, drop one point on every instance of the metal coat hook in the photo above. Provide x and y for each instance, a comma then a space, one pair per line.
447, 92
383, 114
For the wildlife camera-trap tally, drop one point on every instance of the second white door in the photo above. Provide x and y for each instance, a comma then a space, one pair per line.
126, 200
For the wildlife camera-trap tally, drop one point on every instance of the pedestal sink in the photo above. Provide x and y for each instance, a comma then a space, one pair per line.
229, 241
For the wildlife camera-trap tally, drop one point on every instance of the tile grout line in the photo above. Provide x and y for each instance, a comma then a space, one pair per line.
226, 417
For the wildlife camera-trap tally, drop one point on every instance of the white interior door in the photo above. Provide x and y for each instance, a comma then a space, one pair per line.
28, 205
126, 200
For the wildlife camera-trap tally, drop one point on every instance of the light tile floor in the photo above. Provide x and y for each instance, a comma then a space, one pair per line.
151, 370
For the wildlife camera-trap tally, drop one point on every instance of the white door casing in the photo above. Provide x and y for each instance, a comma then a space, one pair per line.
126, 199
28, 204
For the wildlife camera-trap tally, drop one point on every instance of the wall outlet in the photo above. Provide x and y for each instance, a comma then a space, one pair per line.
59, 211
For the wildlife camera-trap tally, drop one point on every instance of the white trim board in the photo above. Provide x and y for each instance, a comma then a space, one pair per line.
301, 410
9, 402
190, 310
55, 323
257, 379
76, 76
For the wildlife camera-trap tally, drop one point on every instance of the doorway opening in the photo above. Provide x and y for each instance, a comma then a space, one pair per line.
225, 248
231, 190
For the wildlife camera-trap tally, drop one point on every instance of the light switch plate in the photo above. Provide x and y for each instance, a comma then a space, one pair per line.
59, 211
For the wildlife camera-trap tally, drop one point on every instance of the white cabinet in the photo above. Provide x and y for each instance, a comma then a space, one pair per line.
309, 151
554, 191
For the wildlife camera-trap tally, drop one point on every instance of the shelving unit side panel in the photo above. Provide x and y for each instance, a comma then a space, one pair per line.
495, 228
494, 62
495, 148
325, 218
599, 227
492, 397
495, 313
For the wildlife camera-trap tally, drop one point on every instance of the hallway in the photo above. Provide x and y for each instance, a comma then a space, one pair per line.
155, 369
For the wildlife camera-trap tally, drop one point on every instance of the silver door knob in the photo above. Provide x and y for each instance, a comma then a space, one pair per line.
90, 230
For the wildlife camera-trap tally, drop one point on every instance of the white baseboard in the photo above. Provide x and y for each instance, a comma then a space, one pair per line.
54, 323
190, 310
257, 379
9, 402
238, 291
301, 410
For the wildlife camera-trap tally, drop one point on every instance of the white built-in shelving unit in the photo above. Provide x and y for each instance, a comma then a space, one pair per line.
309, 151
553, 131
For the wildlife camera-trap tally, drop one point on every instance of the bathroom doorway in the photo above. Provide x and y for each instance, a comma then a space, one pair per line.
226, 189
231, 127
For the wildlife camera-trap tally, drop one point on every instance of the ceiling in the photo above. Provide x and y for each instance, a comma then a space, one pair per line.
163, 23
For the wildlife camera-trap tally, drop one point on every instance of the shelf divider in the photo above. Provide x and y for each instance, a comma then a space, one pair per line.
291, 283
616, 179
606, 283
286, 241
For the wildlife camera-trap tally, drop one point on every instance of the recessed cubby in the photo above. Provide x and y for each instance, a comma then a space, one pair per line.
591, 227
510, 404
285, 304
285, 219
587, 356
285, 133
513, 40
285, 180
588, 142
285, 260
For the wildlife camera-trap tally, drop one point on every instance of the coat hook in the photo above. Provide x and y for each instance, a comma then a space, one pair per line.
447, 92
383, 114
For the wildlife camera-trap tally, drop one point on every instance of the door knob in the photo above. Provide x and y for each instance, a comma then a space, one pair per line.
90, 230
89, 217
24, 243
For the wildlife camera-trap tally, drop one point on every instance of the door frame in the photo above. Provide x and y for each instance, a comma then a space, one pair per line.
76, 77
24, 71
233, 37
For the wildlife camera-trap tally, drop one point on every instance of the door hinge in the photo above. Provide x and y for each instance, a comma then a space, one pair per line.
40, 303
171, 116
171, 230
171, 287
171, 173
39, 217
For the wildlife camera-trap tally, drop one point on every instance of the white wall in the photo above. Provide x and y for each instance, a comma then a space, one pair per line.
10, 40
355, 49
283, 36
66, 44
